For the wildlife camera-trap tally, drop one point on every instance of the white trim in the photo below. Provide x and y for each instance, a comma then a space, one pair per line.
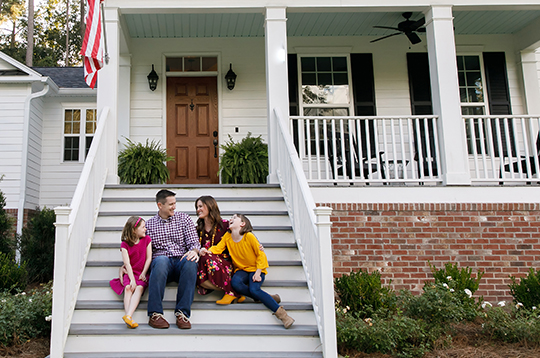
83, 107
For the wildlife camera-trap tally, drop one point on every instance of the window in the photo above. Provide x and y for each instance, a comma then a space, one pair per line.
325, 89
191, 64
79, 128
471, 85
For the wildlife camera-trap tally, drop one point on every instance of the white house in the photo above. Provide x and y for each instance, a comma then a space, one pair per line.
361, 103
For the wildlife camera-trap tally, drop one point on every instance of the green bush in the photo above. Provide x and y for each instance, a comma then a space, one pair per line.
25, 315
363, 295
12, 275
460, 278
401, 336
7, 238
244, 162
527, 291
37, 245
513, 325
143, 163
438, 304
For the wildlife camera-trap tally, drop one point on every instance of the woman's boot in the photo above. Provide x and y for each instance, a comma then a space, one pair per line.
284, 317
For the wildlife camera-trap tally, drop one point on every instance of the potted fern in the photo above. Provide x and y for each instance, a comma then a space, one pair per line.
244, 162
140, 163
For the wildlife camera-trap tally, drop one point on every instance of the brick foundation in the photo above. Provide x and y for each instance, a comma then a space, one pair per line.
13, 213
399, 239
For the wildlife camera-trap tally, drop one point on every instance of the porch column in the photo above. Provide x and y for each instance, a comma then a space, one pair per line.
108, 88
530, 81
445, 95
277, 93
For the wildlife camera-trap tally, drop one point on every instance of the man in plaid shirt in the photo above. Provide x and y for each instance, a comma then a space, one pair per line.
175, 253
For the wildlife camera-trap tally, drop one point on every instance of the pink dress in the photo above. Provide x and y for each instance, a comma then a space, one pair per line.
137, 258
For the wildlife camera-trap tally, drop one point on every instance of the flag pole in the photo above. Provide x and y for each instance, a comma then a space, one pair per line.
104, 34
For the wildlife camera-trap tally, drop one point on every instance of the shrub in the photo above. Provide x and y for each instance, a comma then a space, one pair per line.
244, 162
37, 245
461, 278
363, 294
401, 336
12, 275
143, 163
7, 241
527, 291
25, 315
438, 304
513, 325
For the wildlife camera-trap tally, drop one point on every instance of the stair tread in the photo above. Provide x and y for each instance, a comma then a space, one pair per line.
267, 283
224, 213
184, 354
190, 186
269, 245
191, 199
255, 228
196, 330
169, 305
119, 263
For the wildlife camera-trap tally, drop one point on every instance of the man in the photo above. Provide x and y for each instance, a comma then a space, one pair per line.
175, 253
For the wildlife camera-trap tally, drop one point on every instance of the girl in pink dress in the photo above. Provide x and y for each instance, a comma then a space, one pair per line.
136, 251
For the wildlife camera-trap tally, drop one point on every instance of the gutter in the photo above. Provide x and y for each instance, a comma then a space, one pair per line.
24, 163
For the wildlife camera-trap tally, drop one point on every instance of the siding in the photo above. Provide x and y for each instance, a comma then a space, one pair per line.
58, 179
12, 100
34, 154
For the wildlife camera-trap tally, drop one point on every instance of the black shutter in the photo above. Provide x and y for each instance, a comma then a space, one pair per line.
498, 96
293, 84
363, 86
421, 104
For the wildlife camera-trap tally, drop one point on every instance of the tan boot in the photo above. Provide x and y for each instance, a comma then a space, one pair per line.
276, 298
284, 317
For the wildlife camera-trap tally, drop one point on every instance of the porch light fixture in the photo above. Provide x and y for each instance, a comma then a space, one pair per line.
231, 78
153, 79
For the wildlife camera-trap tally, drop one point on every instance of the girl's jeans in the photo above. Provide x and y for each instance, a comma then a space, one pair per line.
242, 283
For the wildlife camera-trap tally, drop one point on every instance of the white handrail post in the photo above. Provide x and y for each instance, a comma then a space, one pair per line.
58, 336
327, 310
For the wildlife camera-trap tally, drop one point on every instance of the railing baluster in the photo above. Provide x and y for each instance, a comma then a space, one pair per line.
308, 136
317, 148
325, 141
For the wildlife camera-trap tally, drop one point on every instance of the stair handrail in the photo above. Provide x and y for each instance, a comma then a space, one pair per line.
75, 226
311, 227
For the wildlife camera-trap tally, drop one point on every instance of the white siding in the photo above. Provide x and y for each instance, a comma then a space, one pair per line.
58, 179
34, 154
12, 100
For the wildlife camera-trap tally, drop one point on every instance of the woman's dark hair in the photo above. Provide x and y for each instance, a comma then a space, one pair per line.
247, 224
213, 214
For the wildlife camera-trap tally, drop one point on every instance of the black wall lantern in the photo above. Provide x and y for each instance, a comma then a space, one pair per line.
231, 78
152, 79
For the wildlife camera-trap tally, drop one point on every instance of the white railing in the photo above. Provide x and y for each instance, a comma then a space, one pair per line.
503, 149
382, 150
311, 228
74, 231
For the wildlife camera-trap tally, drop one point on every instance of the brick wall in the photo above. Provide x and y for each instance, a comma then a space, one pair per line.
26, 214
399, 239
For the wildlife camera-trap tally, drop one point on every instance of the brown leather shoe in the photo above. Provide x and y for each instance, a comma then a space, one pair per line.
158, 321
182, 321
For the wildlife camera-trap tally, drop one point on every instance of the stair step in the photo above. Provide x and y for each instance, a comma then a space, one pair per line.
267, 245
196, 330
256, 228
183, 354
169, 305
267, 283
119, 263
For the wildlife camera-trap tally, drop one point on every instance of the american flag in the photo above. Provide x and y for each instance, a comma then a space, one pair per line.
92, 48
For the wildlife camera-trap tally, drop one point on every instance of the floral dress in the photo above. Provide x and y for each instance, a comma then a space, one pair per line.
217, 269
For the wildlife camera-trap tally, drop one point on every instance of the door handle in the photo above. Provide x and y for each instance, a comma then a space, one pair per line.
215, 147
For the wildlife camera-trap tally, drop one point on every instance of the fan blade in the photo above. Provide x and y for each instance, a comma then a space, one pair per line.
418, 24
386, 27
422, 29
413, 37
385, 37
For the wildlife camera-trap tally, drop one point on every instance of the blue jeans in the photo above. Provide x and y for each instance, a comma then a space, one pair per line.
242, 283
166, 269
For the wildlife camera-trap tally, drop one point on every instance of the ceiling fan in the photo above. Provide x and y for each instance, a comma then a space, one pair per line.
408, 27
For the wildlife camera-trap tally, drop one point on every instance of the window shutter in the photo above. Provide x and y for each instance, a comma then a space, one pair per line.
419, 83
363, 84
294, 106
497, 83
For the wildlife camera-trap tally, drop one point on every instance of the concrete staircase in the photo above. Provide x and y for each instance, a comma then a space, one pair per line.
239, 330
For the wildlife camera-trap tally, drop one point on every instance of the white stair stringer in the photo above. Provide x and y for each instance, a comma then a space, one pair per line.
238, 330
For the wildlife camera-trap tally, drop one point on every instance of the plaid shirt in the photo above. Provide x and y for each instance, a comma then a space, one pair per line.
172, 237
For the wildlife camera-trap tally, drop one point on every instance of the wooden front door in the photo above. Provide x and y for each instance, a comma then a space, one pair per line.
192, 130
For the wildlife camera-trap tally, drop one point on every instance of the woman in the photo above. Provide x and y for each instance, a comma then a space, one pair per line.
215, 271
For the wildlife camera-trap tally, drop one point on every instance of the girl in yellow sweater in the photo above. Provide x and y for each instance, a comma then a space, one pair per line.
250, 264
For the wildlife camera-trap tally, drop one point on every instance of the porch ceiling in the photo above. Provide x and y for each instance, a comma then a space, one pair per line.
176, 25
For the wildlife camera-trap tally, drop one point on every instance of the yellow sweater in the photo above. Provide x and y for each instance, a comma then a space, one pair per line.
245, 254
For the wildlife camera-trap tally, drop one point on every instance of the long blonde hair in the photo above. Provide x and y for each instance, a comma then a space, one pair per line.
128, 233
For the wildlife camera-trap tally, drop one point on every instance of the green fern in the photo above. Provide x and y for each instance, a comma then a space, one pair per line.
143, 163
244, 162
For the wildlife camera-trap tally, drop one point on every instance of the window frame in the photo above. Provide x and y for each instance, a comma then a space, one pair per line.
82, 135
485, 103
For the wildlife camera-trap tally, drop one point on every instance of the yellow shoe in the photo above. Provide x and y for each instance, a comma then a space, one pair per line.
129, 321
226, 300
241, 299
